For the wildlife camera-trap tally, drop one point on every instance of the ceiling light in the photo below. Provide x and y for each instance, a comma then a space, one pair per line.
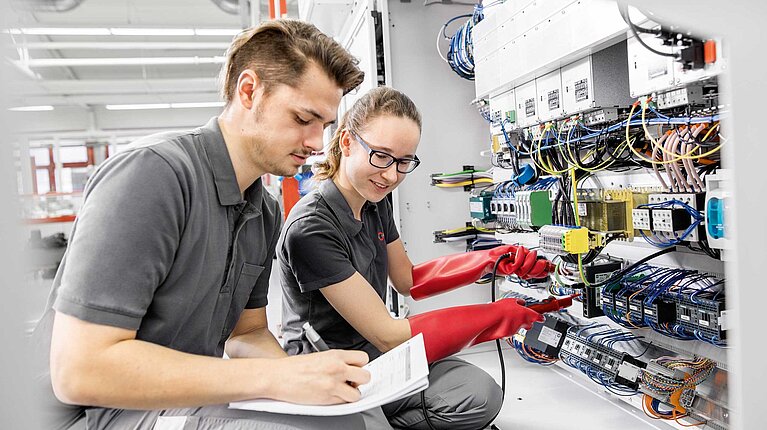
66, 31
147, 106
123, 31
130, 61
217, 31
139, 106
152, 31
31, 108
196, 105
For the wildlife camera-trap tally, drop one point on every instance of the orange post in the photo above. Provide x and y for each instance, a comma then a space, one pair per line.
290, 194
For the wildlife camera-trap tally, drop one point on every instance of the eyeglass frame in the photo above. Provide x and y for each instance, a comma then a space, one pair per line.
392, 158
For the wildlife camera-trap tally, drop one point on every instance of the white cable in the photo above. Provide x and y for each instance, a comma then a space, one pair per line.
439, 33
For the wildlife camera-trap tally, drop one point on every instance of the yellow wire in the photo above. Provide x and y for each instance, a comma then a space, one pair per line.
580, 270
577, 223
575, 197
464, 183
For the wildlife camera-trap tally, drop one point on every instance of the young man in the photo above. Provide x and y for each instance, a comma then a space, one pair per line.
169, 260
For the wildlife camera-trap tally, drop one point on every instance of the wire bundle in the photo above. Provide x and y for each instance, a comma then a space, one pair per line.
663, 387
464, 178
464, 233
530, 354
460, 55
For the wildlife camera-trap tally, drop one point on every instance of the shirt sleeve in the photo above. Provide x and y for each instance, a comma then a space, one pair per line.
258, 297
387, 219
124, 240
316, 253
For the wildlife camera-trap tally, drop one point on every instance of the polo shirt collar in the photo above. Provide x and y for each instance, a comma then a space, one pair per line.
223, 171
340, 206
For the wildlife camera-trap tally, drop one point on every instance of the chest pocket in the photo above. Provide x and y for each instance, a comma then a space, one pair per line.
232, 301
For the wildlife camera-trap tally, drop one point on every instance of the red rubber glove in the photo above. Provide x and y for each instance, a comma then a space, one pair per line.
447, 331
457, 270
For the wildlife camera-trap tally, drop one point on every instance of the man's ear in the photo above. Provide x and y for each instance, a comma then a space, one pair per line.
250, 89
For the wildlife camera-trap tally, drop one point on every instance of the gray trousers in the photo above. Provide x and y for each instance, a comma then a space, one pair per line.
460, 396
217, 417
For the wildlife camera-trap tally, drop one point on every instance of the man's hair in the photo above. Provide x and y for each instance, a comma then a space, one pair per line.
279, 52
381, 101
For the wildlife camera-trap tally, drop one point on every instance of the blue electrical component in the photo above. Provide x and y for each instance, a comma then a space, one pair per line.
715, 218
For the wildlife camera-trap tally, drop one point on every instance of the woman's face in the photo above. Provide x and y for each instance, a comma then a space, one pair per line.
392, 135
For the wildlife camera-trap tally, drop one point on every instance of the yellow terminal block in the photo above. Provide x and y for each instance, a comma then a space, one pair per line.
576, 240
558, 239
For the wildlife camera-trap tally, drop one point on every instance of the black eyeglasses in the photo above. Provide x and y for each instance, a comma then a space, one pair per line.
383, 160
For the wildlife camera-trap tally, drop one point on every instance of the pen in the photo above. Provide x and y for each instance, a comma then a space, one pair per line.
314, 338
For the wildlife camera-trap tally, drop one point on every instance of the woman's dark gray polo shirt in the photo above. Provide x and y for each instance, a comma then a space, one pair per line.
323, 244
165, 244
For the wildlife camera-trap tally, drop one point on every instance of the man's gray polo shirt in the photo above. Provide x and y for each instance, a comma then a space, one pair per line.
165, 244
323, 244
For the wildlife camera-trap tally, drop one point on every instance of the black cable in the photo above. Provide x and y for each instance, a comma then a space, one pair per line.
425, 412
500, 357
619, 274
624, 11
497, 341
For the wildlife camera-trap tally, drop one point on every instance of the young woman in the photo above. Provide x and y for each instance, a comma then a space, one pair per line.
339, 246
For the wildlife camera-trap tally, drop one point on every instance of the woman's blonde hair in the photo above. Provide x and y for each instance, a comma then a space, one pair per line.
377, 102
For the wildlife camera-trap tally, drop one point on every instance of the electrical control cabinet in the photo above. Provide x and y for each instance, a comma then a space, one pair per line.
611, 90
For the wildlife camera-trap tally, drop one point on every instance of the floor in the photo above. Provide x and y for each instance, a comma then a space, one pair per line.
548, 398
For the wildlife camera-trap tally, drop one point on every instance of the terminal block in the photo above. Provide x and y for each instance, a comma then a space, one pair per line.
480, 207
532, 209
694, 200
614, 366
557, 239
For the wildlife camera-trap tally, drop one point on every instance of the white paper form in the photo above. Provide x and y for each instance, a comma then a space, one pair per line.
399, 373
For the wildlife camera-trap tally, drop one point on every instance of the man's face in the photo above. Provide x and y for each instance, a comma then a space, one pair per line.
287, 124
395, 136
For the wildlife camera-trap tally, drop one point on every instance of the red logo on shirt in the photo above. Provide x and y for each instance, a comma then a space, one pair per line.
381, 236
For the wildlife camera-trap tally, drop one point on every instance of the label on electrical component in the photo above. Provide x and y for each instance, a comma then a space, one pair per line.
685, 317
628, 371
601, 277
553, 97
648, 312
549, 336
581, 90
633, 307
703, 323
582, 209
724, 321
476, 207
530, 107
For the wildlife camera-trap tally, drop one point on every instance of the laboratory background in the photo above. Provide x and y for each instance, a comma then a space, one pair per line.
619, 139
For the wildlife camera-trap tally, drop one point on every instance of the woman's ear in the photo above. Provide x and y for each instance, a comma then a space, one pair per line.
344, 142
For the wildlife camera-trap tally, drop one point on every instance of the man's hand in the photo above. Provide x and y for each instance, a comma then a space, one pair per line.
323, 378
